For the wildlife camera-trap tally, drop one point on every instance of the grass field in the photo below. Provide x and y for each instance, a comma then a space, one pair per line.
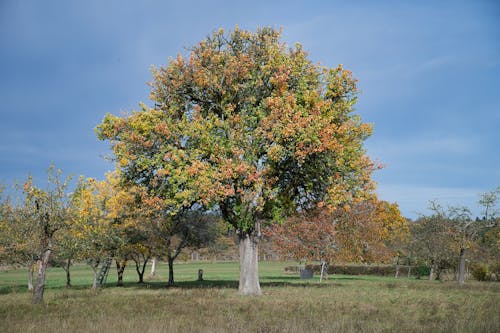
288, 304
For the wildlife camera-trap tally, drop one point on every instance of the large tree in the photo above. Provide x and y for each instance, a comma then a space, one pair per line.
250, 127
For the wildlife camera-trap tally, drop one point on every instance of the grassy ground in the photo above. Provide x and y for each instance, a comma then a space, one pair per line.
342, 304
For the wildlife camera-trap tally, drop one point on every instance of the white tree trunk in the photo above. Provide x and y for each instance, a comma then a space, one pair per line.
249, 265
153, 267
323, 264
31, 273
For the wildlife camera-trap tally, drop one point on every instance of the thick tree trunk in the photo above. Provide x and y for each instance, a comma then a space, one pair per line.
153, 267
170, 271
120, 268
68, 274
461, 267
40, 280
249, 265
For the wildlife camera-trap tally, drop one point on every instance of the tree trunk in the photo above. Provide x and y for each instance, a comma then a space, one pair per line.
431, 274
40, 280
249, 265
323, 268
140, 269
153, 267
397, 268
439, 270
94, 283
120, 268
31, 273
170, 270
68, 274
461, 267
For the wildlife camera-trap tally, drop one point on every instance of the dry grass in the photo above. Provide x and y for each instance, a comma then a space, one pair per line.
343, 304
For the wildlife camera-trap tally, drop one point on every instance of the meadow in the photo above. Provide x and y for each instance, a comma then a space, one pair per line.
288, 304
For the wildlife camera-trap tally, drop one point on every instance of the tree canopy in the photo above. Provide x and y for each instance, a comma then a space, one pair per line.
247, 126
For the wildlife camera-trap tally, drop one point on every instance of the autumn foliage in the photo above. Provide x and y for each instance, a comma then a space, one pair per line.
361, 233
249, 127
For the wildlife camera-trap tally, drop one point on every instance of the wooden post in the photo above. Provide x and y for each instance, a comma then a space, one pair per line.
200, 275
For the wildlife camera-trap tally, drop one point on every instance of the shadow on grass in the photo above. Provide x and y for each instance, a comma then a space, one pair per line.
224, 284
266, 281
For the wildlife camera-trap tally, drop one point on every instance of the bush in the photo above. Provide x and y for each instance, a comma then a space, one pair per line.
422, 271
481, 272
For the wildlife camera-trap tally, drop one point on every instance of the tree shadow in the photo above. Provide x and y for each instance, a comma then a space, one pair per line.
225, 284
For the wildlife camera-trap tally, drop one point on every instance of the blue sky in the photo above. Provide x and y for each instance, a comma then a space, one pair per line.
429, 72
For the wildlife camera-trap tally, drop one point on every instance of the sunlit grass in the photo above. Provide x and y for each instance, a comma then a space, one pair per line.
288, 304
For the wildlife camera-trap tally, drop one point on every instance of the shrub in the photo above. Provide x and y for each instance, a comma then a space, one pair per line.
480, 272
422, 271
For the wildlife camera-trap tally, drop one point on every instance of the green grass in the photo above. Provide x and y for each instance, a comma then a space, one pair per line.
288, 304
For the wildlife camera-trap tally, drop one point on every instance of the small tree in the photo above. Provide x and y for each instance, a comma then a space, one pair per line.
356, 234
19, 244
93, 224
49, 210
433, 242
189, 229
307, 236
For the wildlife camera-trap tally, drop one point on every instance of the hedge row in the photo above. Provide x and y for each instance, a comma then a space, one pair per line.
379, 270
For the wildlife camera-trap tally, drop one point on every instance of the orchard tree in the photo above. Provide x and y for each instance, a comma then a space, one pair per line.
489, 201
250, 127
434, 242
307, 236
366, 230
94, 225
360, 233
49, 210
171, 234
19, 244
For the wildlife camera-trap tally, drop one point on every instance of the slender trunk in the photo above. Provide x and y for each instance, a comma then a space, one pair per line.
94, 283
120, 268
397, 268
140, 269
153, 267
249, 265
141, 277
40, 280
323, 266
431, 274
31, 273
170, 270
68, 274
461, 267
